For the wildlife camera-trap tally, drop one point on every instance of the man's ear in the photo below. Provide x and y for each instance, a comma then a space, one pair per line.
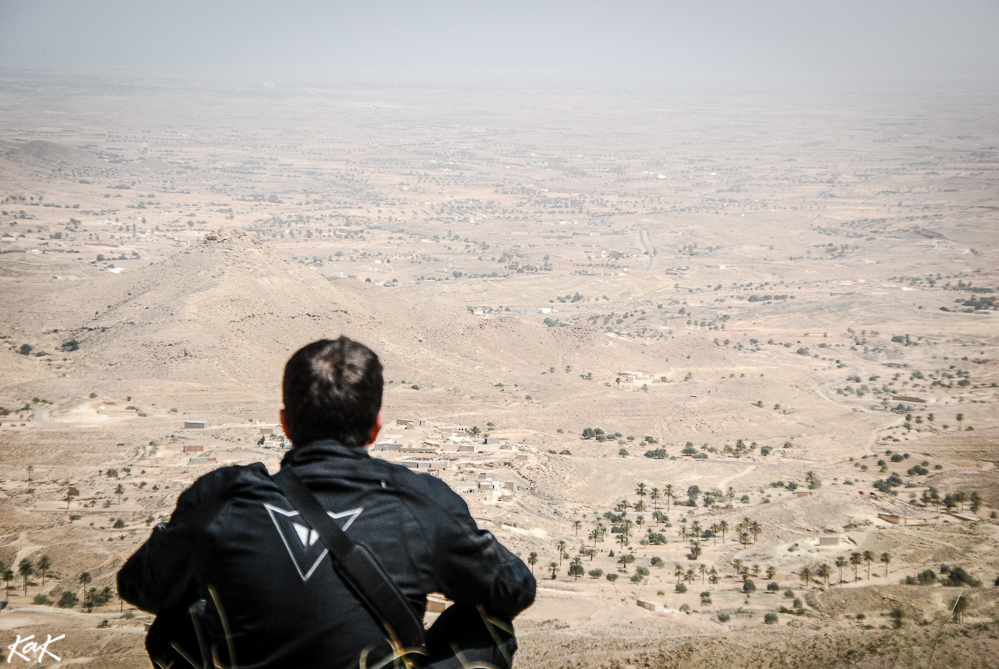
284, 424
374, 431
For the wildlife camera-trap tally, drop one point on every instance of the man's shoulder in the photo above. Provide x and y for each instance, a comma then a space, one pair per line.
427, 487
224, 481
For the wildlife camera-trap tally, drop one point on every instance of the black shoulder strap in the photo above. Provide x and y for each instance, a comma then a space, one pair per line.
358, 567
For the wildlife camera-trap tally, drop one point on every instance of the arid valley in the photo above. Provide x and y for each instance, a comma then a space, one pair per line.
722, 367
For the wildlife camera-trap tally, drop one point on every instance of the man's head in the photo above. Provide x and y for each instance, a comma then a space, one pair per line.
332, 389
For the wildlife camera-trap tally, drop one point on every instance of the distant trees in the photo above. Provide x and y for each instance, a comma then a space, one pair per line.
855, 560
885, 560
576, 568
85, 580
841, 562
25, 568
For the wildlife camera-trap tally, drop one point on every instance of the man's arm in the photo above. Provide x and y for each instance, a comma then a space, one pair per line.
161, 574
474, 568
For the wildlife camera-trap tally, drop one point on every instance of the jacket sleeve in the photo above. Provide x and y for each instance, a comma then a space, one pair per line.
162, 573
474, 568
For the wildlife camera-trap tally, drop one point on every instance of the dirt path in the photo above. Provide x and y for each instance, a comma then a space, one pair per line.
643, 243
724, 482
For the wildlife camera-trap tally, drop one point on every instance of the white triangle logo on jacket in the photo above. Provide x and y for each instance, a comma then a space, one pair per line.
302, 542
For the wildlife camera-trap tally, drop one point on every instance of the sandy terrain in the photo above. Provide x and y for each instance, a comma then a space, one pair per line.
794, 287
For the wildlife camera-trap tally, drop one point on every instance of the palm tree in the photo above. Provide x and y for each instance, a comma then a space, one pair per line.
695, 548
855, 560
689, 576
961, 497
723, 526
714, 532
553, 568
755, 530
841, 563
8, 576
654, 496
806, 575
68, 498
576, 567
756, 570
960, 420
695, 528
771, 572
25, 569
668, 494
120, 490
475, 431
678, 572
641, 491
44, 564
532, 560
868, 558
737, 563
822, 571
561, 550
703, 569
84, 580
576, 524
885, 559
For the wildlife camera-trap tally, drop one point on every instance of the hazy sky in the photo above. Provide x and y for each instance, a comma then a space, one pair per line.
934, 38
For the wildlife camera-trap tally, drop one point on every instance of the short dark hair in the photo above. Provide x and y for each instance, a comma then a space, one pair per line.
332, 389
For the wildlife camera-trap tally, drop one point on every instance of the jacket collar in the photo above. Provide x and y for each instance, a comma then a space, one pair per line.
324, 449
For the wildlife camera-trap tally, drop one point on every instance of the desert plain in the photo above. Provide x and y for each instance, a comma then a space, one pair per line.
721, 363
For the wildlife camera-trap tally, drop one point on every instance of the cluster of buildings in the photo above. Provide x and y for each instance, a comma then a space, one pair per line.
450, 452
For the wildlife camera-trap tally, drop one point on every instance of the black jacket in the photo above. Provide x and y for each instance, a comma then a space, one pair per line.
285, 606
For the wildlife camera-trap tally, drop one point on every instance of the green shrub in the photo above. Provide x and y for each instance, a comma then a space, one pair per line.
42, 600
748, 586
770, 619
681, 588
67, 600
724, 617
